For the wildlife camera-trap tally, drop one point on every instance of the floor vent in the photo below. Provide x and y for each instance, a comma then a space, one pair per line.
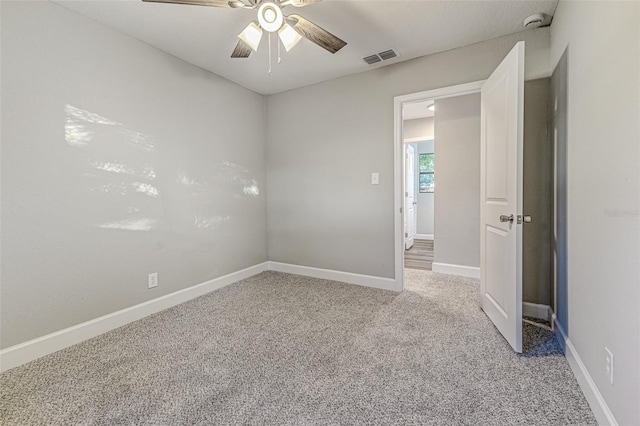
382, 56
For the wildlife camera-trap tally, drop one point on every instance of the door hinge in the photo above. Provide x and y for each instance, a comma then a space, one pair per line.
406, 234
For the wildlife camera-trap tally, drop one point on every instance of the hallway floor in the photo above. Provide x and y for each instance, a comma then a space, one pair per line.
420, 256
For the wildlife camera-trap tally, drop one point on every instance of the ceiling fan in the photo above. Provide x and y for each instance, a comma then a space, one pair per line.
290, 28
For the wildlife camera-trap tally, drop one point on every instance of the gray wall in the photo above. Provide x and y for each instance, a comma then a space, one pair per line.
322, 210
603, 191
457, 196
425, 200
118, 160
537, 263
558, 136
457, 170
418, 128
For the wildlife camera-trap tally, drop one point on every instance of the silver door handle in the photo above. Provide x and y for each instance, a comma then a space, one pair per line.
525, 219
505, 218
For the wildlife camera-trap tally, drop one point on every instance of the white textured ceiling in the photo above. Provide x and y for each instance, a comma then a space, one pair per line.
413, 110
206, 36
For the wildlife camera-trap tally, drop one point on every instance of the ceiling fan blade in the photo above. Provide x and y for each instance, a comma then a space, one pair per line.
316, 34
213, 3
242, 50
302, 3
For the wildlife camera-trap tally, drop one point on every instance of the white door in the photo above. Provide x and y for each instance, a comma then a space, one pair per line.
409, 196
502, 100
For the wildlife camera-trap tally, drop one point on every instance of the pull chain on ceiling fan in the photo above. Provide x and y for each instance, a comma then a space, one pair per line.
291, 29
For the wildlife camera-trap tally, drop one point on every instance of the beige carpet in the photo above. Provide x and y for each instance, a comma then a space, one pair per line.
289, 350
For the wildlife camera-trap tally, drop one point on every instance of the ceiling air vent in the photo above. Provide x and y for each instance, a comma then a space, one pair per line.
382, 56
372, 59
387, 54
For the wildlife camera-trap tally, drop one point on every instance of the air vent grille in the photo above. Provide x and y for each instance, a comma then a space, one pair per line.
372, 59
379, 57
387, 54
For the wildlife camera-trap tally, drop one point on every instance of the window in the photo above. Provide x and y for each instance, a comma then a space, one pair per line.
427, 183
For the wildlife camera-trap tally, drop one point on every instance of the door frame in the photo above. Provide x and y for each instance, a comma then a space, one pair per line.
417, 141
398, 161
405, 214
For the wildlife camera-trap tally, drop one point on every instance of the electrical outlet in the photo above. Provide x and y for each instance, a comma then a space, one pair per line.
609, 364
153, 280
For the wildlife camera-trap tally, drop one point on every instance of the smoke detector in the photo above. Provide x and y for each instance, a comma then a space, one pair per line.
535, 21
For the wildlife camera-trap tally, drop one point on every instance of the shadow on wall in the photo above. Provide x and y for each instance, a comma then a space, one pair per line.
558, 115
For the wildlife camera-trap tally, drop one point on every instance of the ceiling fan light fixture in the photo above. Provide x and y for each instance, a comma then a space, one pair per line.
251, 35
289, 36
270, 17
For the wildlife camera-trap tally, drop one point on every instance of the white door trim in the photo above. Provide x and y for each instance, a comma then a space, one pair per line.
398, 155
410, 199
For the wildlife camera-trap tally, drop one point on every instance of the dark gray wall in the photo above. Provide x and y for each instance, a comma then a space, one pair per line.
537, 266
558, 137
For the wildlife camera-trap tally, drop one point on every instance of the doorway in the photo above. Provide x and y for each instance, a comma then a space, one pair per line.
415, 117
501, 189
419, 203
419, 181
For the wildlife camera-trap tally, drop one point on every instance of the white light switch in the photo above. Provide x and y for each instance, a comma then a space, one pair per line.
375, 178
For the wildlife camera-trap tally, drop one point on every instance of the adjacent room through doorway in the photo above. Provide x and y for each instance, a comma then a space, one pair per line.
419, 179
442, 184
449, 148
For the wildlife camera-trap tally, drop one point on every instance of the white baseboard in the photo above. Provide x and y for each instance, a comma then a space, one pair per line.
461, 270
22, 353
36, 348
598, 405
424, 237
329, 274
536, 310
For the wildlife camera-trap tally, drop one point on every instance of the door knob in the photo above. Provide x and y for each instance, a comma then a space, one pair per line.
505, 218
525, 219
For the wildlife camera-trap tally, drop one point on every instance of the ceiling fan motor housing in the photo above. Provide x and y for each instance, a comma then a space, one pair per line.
270, 17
